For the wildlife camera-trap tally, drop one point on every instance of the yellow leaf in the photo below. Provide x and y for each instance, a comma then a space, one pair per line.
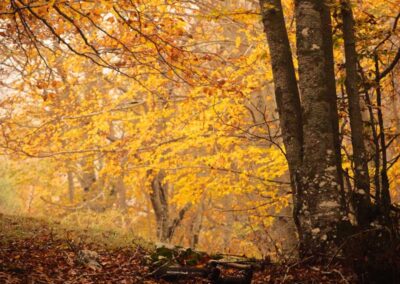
238, 41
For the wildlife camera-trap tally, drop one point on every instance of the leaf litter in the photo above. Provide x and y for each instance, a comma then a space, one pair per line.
41, 256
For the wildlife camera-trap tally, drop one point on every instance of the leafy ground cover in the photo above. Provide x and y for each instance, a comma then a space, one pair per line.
37, 251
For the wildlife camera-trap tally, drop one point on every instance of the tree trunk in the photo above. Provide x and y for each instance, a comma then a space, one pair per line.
361, 195
286, 91
121, 191
197, 223
166, 226
321, 215
159, 201
385, 199
331, 84
87, 176
71, 189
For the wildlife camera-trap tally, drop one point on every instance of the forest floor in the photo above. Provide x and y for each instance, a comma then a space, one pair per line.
37, 251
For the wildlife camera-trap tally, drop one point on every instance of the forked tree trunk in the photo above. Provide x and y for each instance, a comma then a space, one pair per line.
166, 226
311, 137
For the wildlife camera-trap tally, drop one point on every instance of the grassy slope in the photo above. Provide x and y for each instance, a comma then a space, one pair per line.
37, 251
17, 227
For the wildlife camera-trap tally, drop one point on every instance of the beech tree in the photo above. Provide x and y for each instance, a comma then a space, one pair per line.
100, 95
361, 195
309, 122
318, 201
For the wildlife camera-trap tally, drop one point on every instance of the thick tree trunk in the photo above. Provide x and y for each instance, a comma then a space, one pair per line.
286, 91
311, 138
321, 212
361, 195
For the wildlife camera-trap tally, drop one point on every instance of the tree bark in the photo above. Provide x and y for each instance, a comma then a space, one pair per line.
166, 226
286, 92
385, 199
159, 201
361, 195
321, 215
331, 84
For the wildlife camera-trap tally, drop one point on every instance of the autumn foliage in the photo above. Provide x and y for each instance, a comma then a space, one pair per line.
158, 118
